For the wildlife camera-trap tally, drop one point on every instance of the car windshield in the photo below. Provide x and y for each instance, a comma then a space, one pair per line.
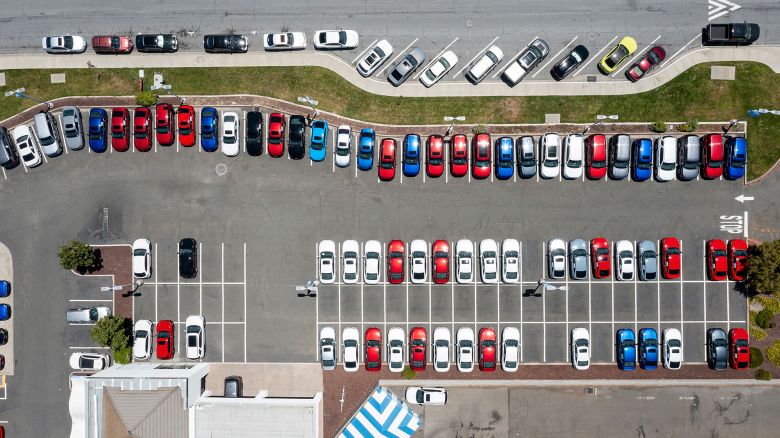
141, 334
93, 314
574, 163
488, 343
668, 166
674, 343
715, 164
617, 55
162, 335
397, 75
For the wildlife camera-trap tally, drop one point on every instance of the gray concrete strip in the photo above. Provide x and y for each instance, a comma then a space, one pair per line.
7, 273
569, 383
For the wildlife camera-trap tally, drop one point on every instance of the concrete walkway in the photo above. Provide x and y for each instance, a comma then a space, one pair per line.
769, 55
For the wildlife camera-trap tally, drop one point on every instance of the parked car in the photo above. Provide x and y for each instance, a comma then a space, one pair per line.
411, 155
531, 57
480, 156
711, 156
596, 156
610, 62
510, 349
687, 157
165, 340
209, 129
166, 134
120, 129
73, 128
350, 340
253, 139
284, 41
98, 130
142, 339
464, 253
142, 129
434, 156
9, 156
64, 44
717, 265
440, 262
188, 258
395, 262
418, 348
327, 257
673, 352
624, 260
438, 68
572, 164
426, 396
350, 251
556, 258
717, 349
328, 352
736, 158
505, 158
487, 349
225, 44
343, 146
648, 260
156, 43
730, 34
626, 349
418, 263
387, 159
619, 156
5, 311
578, 259
230, 132
26, 146
195, 328
375, 57
488, 254
335, 39
569, 63
365, 153
373, 347
234, 387
671, 258
142, 258
482, 67
318, 147
441, 349
5, 288
526, 156
665, 159
465, 349
395, 349
406, 67
459, 155
600, 258
276, 127
580, 348
86, 315
112, 44
48, 132
646, 63
89, 361
550, 161
510, 261
648, 348
642, 159
738, 259
297, 137
739, 349
371, 261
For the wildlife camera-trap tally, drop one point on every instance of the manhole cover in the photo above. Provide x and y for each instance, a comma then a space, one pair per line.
592, 36
469, 23
221, 169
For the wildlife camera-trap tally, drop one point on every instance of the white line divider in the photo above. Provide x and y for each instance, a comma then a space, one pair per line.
370, 46
401, 53
554, 57
682, 321
480, 53
704, 288
638, 53
517, 55
222, 263
435, 58
156, 317
245, 353
596, 56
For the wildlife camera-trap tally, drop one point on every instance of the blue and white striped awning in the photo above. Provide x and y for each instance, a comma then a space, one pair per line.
383, 415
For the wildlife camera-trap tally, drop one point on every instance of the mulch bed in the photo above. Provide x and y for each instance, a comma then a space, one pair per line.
117, 261
773, 334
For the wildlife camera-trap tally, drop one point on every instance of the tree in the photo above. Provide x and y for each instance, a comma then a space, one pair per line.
763, 274
111, 331
146, 98
76, 255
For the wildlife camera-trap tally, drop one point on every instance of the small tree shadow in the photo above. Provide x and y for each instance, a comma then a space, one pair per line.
98, 264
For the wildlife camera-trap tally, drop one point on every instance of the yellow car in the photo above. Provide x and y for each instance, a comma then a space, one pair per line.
620, 53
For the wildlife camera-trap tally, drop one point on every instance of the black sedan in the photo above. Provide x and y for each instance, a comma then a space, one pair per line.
568, 63
156, 43
225, 44
297, 132
188, 258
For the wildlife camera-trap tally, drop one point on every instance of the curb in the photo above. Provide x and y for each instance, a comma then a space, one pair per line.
568, 383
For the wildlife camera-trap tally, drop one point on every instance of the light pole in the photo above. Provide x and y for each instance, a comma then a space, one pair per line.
20, 93
311, 102
600, 120
452, 120
546, 287
732, 123
751, 113
134, 284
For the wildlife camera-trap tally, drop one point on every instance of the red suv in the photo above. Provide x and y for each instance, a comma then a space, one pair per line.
142, 129
186, 121
387, 159
165, 340
435, 156
712, 156
739, 348
276, 126
165, 133
480, 156
487, 349
459, 155
395, 262
738, 259
441, 261
120, 129
417, 348
112, 44
671, 256
599, 257
373, 349
717, 266
596, 156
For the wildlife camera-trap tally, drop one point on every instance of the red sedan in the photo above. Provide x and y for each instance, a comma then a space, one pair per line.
717, 266
480, 156
645, 64
395, 262
441, 261
165, 132
459, 155
112, 44
120, 129
186, 121
738, 259
712, 156
599, 257
671, 258
373, 349
165, 341
434, 163
387, 159
739, 348
276, 126
596, 156
487, 349
417, 348
142, 129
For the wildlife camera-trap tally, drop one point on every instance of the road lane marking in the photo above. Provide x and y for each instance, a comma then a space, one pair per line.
681, 49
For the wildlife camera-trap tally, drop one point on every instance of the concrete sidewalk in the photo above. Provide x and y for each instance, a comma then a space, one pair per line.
769, 55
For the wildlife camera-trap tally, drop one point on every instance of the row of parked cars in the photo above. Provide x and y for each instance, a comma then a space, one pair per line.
145, 332
5, 315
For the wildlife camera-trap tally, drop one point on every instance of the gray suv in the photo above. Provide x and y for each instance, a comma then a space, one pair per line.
578, 259
648, 260
526, 156
717, 349
687, 157
71, 125
619, 156
401, 71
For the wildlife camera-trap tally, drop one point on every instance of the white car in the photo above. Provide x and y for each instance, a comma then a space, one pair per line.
624, 260
510, 261
374, 58
284, 41
464, 254
438, 68
665, 158
551, 156
418, 251
230, 130
488, 255
89, 361
371, 262
441, 349
327, 250
27, 146
572, 164
484, 65
510, 348
335, 39
64, 44
464, 343
673, 349
556, 258
142, 258
426, 396
142, 339
196, 336
350, 251
580, 348
328, 355
343, 148
395, 349
350, 341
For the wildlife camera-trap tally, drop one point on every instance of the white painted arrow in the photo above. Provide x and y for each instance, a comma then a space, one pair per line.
743, 198
719, 8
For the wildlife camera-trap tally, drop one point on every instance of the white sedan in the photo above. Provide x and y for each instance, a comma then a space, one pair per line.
374, 58
142, 258
510, 259
230, 130
26, 145
196, 336
624, 260
335, 39
64, 44
350, 250
488, 253
142, 339
284, 41
426, 396
350, 341
580, 348
465, 349
551, 156
327, 250
556, 258
510, 348
395, 349
438, 68
665, 158
572, 164
464, 252
343, 149
373, 252
673, 349
418, 251
441, 349
89, 361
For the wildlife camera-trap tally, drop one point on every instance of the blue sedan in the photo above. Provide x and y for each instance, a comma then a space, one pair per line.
505, 158
648, 349
626, 349
5, 312
319, 140
411, 158
98, 129
642, 159
209, 129
365, 155
5, 288
736, 157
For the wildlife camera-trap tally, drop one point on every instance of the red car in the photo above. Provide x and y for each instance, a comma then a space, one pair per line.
165, 339
671, 258
185, 118
599, 257
120, 129
276, 126
441, 261
166, 135
417, 348
395, 262
712, 156
112, 44
434, 163
717, 266
459, 155
142, 129
480, 156
739, 348
387, 159
648, 62
596, 156
487, 349
738, 259
373, 349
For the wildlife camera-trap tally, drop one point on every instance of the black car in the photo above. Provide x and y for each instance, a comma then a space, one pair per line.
225, 44
157, 43
254, 133
717, 349
297, 143
3, 336
188, 258
568, 63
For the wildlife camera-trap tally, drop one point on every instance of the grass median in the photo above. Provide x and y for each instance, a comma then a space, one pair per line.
690, 96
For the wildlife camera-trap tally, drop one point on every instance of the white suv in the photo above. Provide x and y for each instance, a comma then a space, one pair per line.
350, 340
142, 339
395, 349
196, 336
142, 258
464, 343
510, 349
418, 251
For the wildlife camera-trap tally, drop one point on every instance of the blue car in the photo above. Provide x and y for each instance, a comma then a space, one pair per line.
365, 155
736, 157
626, 349
5, 288
209, 129
411, 158
505, 158
5, 312
98, 129
642, 159
648, 349
319, 140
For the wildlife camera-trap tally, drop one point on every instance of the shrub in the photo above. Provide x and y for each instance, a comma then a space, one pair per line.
122, 355
658, 127
408, 373
478, 129
763, 375
773, 304
764, 318
111, 331
76, 255
763, 274
688, 127
758, 334
146, 98
756, 357
773, 353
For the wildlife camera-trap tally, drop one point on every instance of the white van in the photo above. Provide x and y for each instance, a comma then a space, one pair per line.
48, 132
484, 65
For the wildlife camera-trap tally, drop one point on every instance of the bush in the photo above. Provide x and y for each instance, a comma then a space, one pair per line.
408, 373
146, 98
111, 331
763, 273
773, 304
658, 127
688, 127
764, 318
756, 357
763, 375
479, 129
122, 355
773, 353
76, 255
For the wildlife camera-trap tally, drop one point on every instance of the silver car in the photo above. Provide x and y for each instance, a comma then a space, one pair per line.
526, 156
73, 128
328, 354
687, 157
619, 156
578, 259
411, 62
648, 260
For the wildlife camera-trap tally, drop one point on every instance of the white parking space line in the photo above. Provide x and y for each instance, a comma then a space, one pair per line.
4, 174
436, 58
704, 286
200, 279
156, 317
370, 46
658, 288
91, 301
178, 299
552, 58
245, 320
222, 263
333, 152
682, 271
745, 227
544, 305
514, 58
636, 274
480, 53
696, 37
338, 251
522, 259
638, 54
401, 53
88, 348
612, 291
595, 57
565, 344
